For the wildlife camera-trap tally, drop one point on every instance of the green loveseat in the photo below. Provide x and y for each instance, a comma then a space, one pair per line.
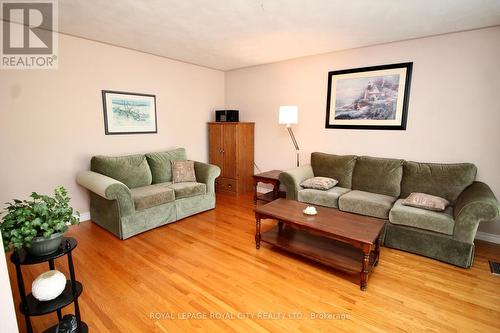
376, 186
132, 194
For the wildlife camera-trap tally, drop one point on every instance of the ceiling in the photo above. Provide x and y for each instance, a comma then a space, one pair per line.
230, 34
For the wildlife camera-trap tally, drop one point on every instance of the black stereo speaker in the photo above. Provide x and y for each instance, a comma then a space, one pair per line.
227, 115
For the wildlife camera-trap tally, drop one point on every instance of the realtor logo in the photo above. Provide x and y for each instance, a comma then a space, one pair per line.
28, 37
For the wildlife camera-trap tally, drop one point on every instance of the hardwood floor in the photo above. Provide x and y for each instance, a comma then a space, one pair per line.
207, 265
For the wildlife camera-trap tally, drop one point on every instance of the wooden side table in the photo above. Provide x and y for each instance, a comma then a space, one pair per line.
268, 177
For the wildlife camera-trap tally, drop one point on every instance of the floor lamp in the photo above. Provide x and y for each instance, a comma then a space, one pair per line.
290, 115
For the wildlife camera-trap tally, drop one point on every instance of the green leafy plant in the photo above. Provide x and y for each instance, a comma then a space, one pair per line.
42, 216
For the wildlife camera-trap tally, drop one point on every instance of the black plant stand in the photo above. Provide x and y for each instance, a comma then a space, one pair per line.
30, 306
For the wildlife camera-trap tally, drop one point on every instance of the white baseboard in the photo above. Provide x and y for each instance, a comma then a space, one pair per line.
484, 236
84, 216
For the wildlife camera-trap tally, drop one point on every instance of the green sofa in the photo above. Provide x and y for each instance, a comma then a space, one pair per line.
132, 194
375, 187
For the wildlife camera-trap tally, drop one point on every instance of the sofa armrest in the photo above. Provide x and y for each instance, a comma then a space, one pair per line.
476, 203
108, 188
292, 179
206, 173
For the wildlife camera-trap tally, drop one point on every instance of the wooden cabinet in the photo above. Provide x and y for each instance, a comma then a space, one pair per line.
231, 147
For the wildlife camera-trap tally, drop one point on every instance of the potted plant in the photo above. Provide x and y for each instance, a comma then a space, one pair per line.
37, 224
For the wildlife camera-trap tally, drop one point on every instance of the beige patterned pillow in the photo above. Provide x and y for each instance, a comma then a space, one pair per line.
426, 201
182, 171
319, 183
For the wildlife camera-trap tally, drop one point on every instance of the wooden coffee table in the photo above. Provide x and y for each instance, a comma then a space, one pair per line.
345, 241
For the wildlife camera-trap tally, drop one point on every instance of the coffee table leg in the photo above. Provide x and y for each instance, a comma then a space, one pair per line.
364, 270
280, 225
255, 183
377, 251
257, 232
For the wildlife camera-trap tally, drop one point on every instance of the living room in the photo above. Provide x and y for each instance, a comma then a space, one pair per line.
192, 258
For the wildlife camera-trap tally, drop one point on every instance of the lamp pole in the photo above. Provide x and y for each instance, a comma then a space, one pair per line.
289, 127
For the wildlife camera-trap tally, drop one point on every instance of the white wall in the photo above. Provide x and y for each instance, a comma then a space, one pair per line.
454, 110
51, 121
8, 322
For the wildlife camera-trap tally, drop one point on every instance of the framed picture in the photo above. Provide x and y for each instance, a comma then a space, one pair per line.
129, 113
369, 97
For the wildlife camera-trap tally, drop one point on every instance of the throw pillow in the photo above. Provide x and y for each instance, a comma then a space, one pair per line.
426, 201
319, 183
182, 171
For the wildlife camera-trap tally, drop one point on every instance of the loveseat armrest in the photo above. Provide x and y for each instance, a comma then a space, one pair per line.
108, 188
293, 178
476, 203
206, 173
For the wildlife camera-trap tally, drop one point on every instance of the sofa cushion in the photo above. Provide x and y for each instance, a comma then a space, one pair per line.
366, 203
160, 164
152, 195
441, 222
319, 183
328, 198
442, 180
183, 171
132, 170
338, 167
426, 201
378, 175
186, 190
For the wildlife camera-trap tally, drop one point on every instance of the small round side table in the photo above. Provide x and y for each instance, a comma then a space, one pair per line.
30, 306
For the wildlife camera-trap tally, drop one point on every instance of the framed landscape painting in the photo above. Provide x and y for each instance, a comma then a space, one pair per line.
369, 97
129, 113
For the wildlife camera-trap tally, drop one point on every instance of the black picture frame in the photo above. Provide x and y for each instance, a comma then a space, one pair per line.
107, 126
408, 66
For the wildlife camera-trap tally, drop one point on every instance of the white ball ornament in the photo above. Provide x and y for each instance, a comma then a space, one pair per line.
48, 285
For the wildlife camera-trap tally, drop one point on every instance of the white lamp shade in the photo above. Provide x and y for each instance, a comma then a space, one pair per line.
289, 114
